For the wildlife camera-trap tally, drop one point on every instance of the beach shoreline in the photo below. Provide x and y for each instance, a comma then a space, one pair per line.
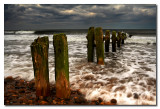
20, 92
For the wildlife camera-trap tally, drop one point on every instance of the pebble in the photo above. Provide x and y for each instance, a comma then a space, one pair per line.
21, 91
30, 101
54, 102
22, 81
44, 102
14, 95
79, 100
102, 103
136, 96
129, 94
114, 101
11, 91
79, 92
9, 78
41, 97
100, 99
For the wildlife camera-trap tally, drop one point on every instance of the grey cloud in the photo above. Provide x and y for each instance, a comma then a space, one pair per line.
28, 16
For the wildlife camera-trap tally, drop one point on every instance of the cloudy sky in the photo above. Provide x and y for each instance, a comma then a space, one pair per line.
59, 16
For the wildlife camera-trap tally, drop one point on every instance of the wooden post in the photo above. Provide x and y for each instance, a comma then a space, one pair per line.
90, 45
61, 66
119, 39
99, 45
113, 41
39, 52
123, 37
107, 40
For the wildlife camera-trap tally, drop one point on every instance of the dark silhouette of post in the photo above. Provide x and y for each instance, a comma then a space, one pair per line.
119, 39
90, 45
39, 52
99, 45
113, 41
107, 40
61, 66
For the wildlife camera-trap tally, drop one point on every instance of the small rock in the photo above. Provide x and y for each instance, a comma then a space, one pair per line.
23, 103
9, 79
108, 103
44, 102
92, 103
62, 101
31, 85
75, 97
30, 101
89, 77
79, 92
120, 88
102, 103
73, 92
11, 91
129, 94
100, 99
14, 95
7, 101
135, 96
114, 101
97, 102
21, 91
21, 81
54, 102
41, 97
79, 100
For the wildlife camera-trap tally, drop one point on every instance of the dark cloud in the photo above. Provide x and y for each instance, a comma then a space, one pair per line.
68, 16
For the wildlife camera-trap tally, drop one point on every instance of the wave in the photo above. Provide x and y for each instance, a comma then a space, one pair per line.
18, 32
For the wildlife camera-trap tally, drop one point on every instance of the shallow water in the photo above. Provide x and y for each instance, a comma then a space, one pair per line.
129, 72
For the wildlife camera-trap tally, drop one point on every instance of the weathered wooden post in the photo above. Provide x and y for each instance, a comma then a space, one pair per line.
113, 41
107, 40
123, 37
119, 39
90, 45
99, 45
39, 52
61, 66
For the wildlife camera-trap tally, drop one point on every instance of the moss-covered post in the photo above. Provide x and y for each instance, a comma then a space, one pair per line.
90, 45
61, 66
119, 39
107, 40
113, 41
99, 45
39, 52
123, 37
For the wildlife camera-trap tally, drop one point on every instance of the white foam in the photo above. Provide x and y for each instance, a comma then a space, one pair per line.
124, 71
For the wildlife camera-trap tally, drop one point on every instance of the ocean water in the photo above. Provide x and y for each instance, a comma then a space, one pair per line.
129, 72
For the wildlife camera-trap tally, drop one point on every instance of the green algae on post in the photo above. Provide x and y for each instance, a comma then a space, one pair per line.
113, 41
90, 45
107, 40
119, 39
39, 52
61, 66
99, 45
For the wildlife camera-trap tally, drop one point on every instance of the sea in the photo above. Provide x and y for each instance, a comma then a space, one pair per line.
129, 75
